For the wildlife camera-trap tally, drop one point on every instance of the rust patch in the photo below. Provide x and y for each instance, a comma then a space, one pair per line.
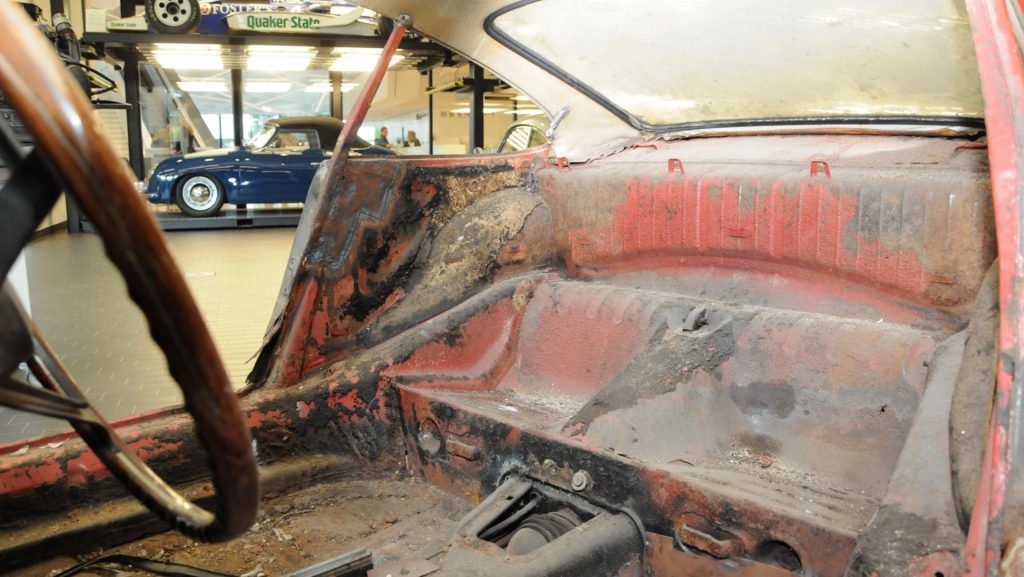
776, 399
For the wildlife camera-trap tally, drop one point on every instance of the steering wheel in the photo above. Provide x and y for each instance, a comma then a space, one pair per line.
72, 151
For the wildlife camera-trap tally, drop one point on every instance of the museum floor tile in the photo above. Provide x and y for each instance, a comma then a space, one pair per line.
79, 301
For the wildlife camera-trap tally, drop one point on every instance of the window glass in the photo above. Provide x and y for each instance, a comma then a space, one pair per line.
536, 137
183, 111
714, 60
263, 137
518, 139
293, 140
277, 94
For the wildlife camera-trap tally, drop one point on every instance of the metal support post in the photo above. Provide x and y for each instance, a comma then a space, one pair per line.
430, 113
337, 110
476, 110
131, 97
236, 105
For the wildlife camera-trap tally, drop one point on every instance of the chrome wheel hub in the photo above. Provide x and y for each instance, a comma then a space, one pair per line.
200, 193
172, 12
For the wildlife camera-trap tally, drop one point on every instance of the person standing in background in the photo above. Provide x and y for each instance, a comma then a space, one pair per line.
411, 139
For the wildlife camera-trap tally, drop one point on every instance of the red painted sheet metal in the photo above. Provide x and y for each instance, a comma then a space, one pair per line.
1002, 79
904, 237
577, 338
9, 448
296, 334
274, 416
72, 466
918, 234
371, 228
473, 357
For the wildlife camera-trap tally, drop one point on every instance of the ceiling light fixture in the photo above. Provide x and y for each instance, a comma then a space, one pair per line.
278, 58
360, 61
188, 56
190, 62
186, 48
259, 49
279, 63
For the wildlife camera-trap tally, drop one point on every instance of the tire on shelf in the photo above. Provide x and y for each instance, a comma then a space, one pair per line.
199, 195
172, 16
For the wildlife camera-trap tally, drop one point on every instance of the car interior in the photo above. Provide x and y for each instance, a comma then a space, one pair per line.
752, 354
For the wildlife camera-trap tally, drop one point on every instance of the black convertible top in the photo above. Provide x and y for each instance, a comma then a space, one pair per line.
327, 127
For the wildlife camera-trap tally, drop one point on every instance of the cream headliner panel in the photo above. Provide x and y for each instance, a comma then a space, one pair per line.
589, 130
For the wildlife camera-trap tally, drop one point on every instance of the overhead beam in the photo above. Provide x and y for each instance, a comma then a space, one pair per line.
321, 40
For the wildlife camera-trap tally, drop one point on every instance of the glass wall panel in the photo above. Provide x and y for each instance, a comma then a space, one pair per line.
184, 111
271, 94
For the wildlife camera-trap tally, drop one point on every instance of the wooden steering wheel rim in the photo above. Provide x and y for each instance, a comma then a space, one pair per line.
64, 125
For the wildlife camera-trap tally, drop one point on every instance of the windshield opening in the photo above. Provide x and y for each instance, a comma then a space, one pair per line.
726, 62
262, 138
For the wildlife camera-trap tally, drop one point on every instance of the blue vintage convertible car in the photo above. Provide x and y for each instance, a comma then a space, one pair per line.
277, 165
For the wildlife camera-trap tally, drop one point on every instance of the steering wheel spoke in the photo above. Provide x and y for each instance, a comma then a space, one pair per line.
18, 393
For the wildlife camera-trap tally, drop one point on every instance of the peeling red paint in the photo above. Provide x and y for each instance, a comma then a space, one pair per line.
390, 301
471, 360
148, 449
578, 339
348, 400
812, 225
26, 478
352, 407
340, 292
422, 193
71, 434
87, 467
340, 295
293, 344
84, 469
304, 408
256, 419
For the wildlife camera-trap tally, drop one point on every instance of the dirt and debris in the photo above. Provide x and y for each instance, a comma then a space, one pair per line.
393, 518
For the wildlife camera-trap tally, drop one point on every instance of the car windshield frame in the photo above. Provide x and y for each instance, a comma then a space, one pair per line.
263, 137
937, 121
